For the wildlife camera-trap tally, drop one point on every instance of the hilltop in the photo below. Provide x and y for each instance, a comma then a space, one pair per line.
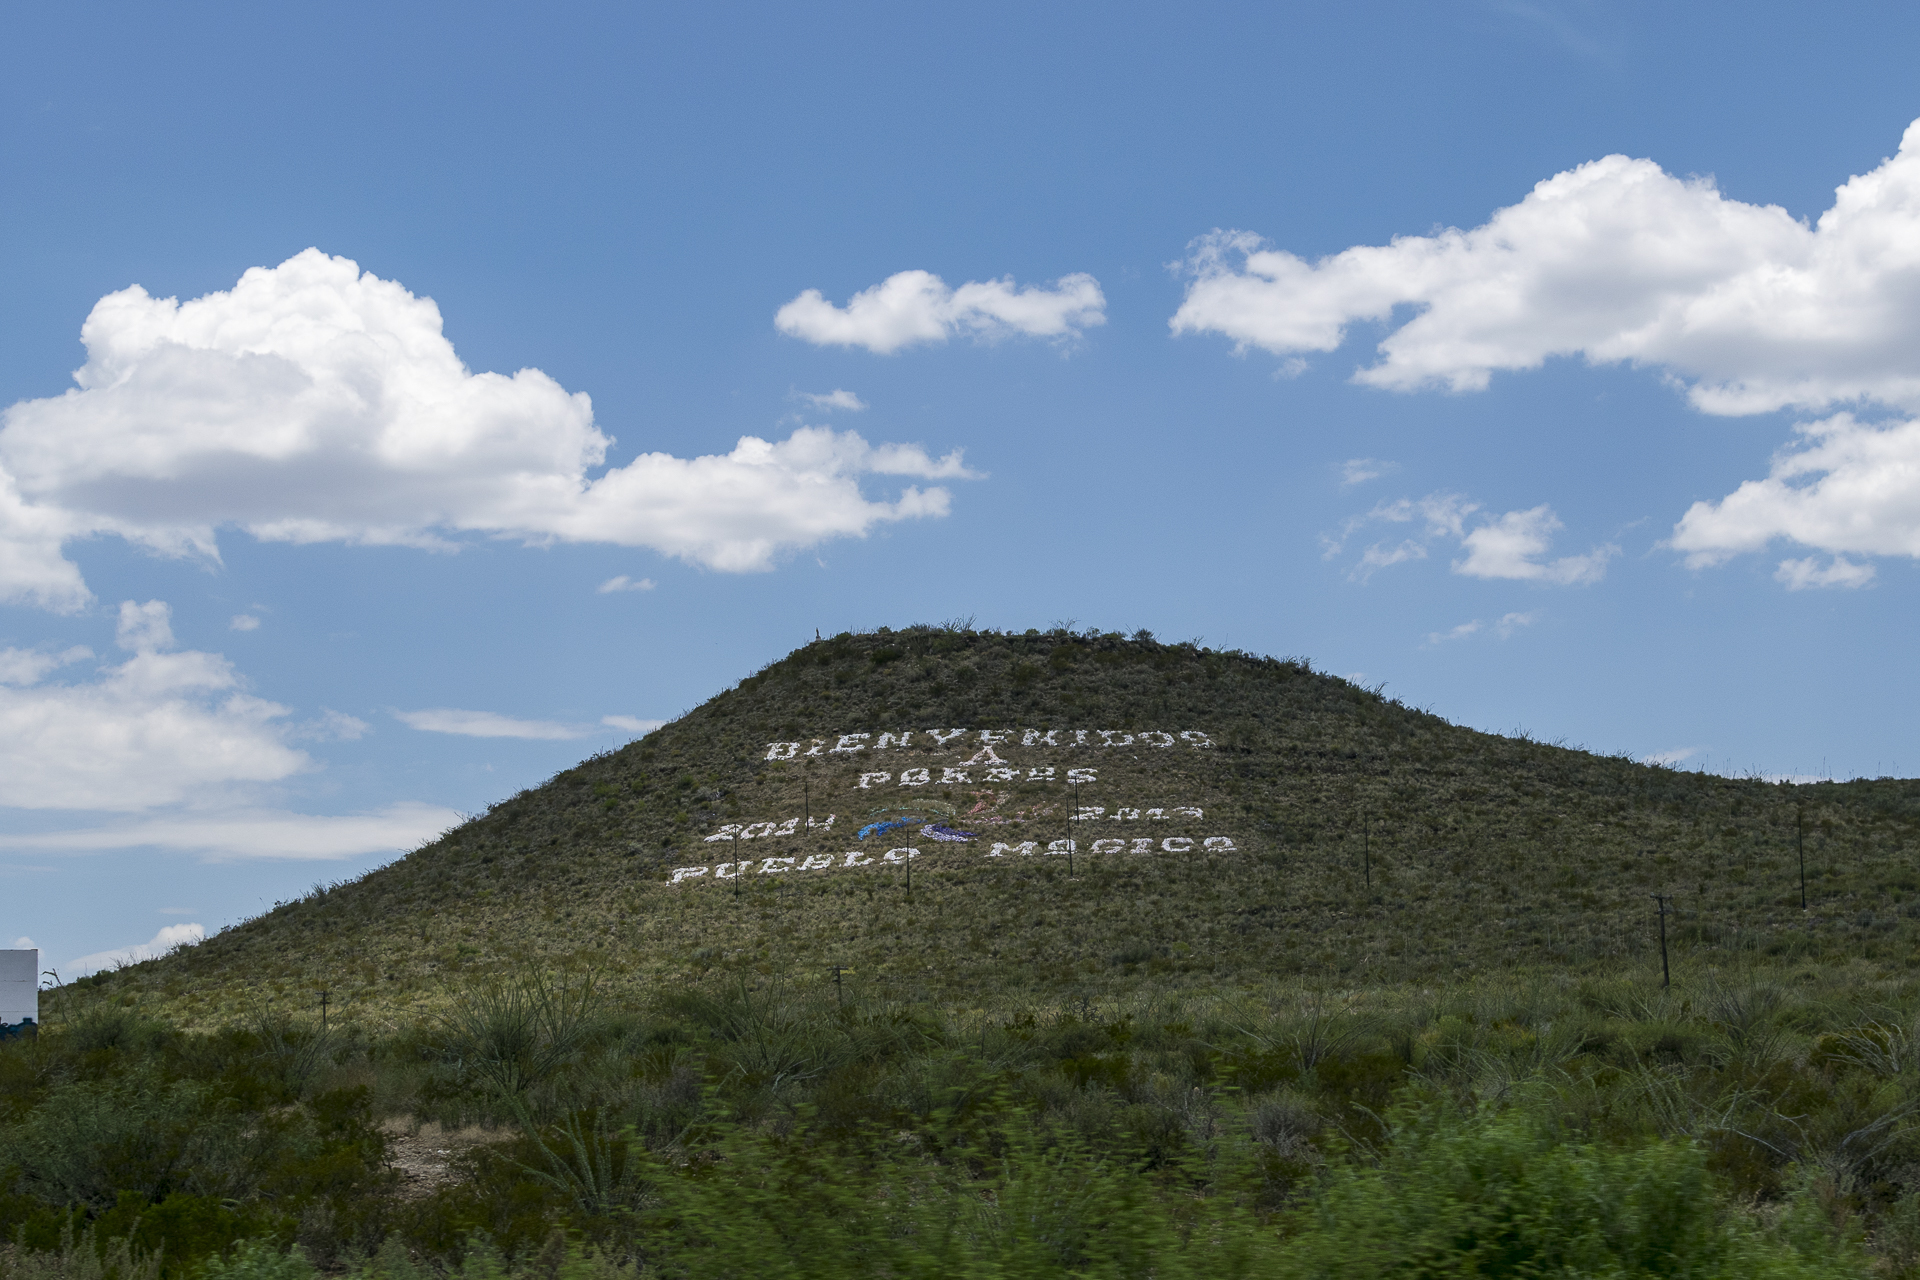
949, 814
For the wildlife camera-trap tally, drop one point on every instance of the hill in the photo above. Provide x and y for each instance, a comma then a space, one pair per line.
1059, 817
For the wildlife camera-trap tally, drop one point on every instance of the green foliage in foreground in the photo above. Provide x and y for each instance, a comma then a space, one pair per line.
1760, 1125
1501, 1193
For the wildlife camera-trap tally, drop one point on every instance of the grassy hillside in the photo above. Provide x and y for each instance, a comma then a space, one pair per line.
1232, 818
1317, 968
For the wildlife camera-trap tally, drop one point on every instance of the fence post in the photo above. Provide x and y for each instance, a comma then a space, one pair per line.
1666, 976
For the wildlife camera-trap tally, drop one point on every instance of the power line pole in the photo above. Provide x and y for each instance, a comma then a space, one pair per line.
1366, 848
1666, 976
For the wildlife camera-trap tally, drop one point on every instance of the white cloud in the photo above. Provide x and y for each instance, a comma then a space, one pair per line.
145, 628
1800, 574
1850, 487
1444, 514
1460, 632
632, 724
1506, 546
169, 938
835, 399
32, 568
1670, 758
1384, 556
258, 833
331, 726
312, 403
1512, 547
1612, 261
27, 666
1504, 628
1360, 470
913, 307
154, 730
244, 622
485, 724
24, 943
1512, 622
624, 583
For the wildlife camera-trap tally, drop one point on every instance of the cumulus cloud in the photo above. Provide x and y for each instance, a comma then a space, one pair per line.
29, 666
168, 939
1747, 308
258, 833
835, 399
624, 583
1809, 572
1848, 488
1612, 261
485, 724
1513, 545
244, 622
632, 724
315, 403
913, 307
143, 628
153, 730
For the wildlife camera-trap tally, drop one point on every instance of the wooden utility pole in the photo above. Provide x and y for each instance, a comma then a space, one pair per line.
1666, 976
1366, 848
838, 998
324, 996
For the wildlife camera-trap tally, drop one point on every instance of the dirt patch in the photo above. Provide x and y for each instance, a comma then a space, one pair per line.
423, 1154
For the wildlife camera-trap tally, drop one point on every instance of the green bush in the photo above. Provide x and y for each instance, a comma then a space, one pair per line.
1492, 1193
257, 1260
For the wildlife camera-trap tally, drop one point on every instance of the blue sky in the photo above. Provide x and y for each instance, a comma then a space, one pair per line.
1329, 331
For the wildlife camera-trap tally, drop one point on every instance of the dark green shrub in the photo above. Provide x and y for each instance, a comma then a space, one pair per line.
1490, 1193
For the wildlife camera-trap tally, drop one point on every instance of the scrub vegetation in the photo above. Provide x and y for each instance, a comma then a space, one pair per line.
1412, 1022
